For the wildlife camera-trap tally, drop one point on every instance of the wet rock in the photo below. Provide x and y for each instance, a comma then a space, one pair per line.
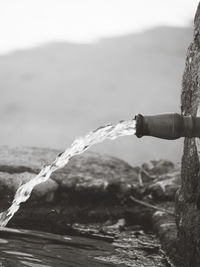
110, 227
136, 249
90, 187
132, 247
10, 182
91, 171
165, 227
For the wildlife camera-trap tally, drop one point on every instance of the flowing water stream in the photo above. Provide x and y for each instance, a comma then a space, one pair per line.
80, 145
27, 248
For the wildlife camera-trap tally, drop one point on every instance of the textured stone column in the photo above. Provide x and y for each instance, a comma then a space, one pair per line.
188, 197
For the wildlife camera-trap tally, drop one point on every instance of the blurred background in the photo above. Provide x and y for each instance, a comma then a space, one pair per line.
70, 66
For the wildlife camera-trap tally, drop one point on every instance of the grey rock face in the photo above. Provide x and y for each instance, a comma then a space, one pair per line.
187, 201
90, 170
90, 186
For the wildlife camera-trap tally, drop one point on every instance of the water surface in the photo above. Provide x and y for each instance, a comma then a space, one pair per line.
40, 249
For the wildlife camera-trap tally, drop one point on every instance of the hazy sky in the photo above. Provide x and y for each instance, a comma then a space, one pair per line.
26, 23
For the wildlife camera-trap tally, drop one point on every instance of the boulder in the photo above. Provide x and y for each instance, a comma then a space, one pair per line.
90, 187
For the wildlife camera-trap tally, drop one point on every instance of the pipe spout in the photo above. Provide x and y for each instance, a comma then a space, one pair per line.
167, 126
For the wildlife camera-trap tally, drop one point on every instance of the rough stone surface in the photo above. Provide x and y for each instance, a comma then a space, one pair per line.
90, 187
83, 170
187, 201
9, 183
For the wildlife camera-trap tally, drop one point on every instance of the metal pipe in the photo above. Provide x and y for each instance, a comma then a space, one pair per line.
167, 126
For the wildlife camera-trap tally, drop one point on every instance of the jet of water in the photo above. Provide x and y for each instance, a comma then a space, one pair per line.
80, 145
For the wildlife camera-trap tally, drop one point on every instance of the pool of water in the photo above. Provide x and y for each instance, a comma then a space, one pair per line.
34, 248
136, 248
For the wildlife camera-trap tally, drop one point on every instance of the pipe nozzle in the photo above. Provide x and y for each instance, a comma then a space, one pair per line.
167, 126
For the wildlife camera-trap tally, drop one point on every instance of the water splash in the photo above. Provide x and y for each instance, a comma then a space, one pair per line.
78, 147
